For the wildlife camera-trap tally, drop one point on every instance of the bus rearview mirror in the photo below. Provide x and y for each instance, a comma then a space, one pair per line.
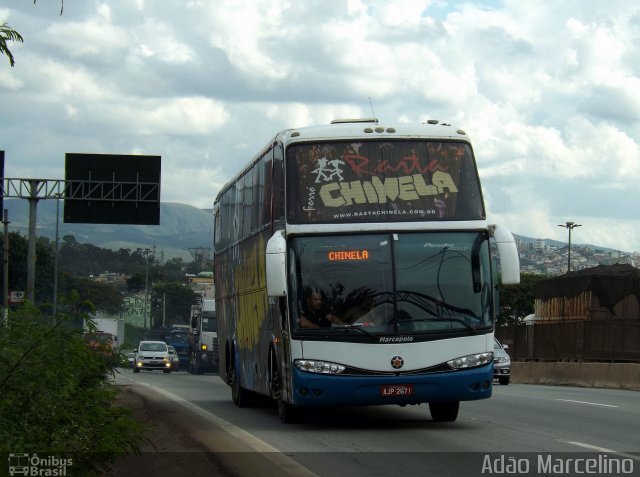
276, 265
508, 252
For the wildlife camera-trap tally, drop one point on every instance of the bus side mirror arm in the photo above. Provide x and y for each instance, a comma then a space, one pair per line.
508, 252
276, 265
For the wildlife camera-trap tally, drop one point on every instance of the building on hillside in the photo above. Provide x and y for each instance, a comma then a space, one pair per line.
202, 284
603, 292
539, 244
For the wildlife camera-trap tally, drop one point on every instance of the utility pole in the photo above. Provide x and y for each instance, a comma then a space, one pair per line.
146, 287
569, 226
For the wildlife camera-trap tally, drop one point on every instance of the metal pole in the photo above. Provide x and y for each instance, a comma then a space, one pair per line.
55, 259
164, 309
31, 244
146, 288
569, 226
5, 286
569, 251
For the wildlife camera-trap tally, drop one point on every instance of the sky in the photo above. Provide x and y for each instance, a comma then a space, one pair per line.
548, 92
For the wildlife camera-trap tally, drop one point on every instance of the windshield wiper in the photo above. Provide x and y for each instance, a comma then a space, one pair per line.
441, 310
354, 326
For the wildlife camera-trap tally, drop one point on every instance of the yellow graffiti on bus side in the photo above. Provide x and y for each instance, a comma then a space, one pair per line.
251, 293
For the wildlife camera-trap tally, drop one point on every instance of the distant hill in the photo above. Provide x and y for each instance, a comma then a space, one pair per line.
181, 227
560, 244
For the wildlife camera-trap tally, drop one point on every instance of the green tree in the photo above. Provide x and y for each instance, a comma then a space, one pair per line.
174, 270
171, 301
57, 396
517, 301
18, 266
104, 296
8, 34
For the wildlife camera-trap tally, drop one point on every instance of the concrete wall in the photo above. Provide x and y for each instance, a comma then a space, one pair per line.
595, 375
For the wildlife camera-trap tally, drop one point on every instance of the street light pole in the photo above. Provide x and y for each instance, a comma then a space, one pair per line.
569, 226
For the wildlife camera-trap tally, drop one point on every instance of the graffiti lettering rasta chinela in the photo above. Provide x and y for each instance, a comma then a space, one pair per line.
394, 180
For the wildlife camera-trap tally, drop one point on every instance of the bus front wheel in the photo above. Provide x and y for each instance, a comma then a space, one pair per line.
239, 395
444, 411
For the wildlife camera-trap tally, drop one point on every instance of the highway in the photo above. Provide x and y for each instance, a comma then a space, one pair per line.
520, 422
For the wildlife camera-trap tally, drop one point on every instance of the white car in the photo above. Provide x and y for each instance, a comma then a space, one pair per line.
501, 363
152, 355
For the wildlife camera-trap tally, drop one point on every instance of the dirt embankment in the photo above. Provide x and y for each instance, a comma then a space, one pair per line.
172, 451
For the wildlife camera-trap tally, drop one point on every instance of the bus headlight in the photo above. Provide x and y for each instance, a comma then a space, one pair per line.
321, 367
471, 360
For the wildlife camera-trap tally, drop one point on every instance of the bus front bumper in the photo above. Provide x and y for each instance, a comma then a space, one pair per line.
312, 389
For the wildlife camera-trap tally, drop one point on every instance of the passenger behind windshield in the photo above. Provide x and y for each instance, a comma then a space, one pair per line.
315, 313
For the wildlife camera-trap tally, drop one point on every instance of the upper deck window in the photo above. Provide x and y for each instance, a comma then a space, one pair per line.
382, 181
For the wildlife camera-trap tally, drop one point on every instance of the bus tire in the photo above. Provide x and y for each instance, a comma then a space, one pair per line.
287, 413
444, 411
239, 395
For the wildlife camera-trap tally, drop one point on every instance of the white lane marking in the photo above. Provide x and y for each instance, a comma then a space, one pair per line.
586, 402
602, 449
592, 447
280, 459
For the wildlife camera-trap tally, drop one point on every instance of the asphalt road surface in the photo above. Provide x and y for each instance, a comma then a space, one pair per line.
524, 429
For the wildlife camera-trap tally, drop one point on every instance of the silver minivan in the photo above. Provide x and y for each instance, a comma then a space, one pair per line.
501, 362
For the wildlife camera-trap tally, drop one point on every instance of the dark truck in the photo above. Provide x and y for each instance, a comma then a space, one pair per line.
178, 337
203, 343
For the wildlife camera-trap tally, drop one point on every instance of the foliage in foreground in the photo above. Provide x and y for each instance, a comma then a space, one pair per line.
56, 397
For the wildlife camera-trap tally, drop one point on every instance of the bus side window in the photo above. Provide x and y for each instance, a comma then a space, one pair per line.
247, 204
278, 187
266, 163
257, 195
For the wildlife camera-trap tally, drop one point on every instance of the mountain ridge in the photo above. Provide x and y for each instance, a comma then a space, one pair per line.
182, 227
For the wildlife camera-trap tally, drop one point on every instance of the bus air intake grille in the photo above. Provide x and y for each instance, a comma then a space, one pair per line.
349, 371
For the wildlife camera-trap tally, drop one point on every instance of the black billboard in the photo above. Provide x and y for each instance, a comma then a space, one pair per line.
1, 185
112, 189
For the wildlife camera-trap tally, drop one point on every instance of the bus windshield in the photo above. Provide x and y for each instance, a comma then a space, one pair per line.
382, 181
392, 283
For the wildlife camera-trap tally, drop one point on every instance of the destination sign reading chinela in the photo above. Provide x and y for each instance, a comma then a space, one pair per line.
382, 181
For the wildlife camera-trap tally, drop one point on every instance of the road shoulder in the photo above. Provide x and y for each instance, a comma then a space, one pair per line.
183, 443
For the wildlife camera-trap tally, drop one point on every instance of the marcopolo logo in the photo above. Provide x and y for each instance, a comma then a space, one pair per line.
395, 339
34, 465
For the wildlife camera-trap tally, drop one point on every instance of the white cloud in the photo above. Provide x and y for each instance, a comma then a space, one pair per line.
548, 95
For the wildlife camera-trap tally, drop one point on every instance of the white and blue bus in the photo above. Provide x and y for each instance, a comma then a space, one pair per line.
354, 265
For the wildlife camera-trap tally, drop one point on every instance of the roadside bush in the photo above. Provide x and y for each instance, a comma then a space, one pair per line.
56, 395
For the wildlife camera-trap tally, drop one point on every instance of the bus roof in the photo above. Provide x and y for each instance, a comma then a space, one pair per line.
364, 129
357, 129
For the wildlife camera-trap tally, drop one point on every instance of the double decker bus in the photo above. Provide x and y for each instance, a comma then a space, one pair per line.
354, 265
